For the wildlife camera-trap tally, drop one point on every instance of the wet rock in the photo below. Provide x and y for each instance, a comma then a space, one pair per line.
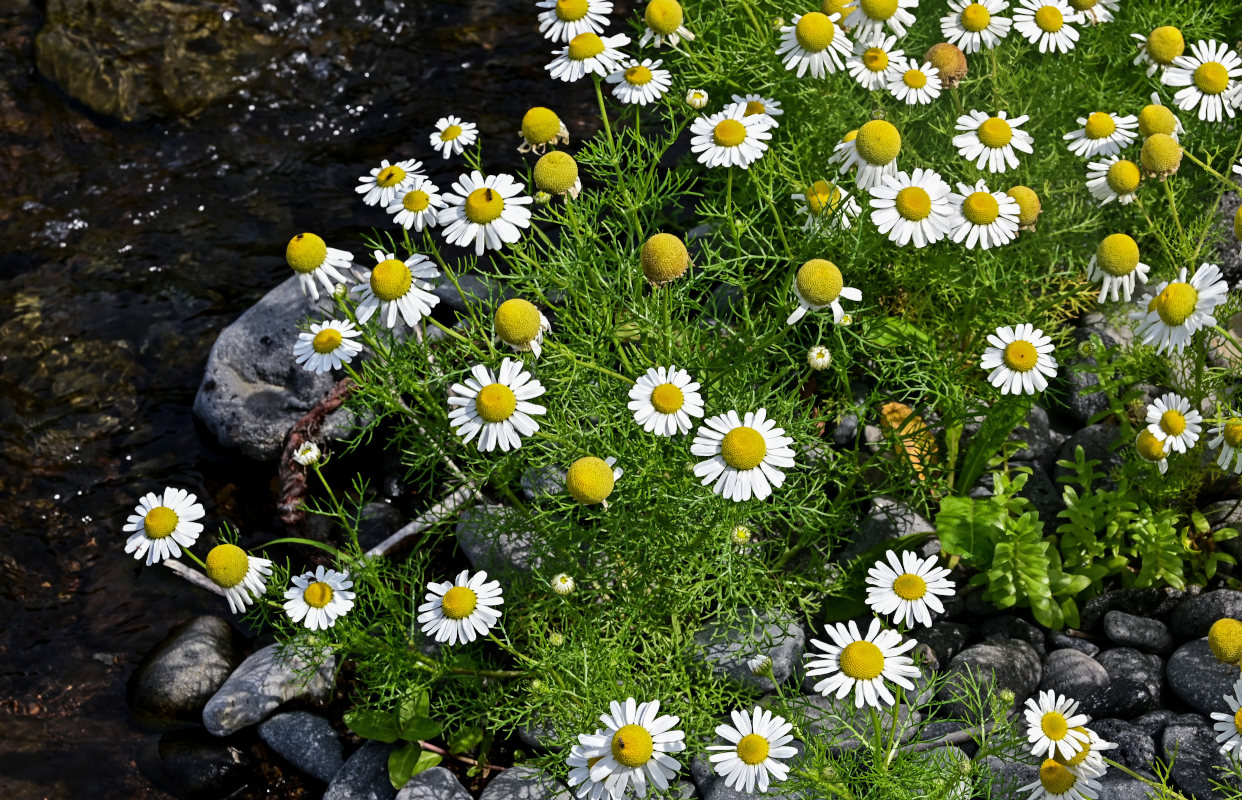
525, 783
1126, 662
305, 740
1010, 663
436, 783
1153, 722
1004, 626
1122, 697
887, 519
1072, 674
1096, 442
1060, 640
1142, 602
1115, 785
1198, 761
1143, 633
945, 639
728, 647
1136, 748
1193, 618
364, 776
494, 541
379, 520
1008, 776
1198, 678
180, 675
1042, 442
259, 686
202, 767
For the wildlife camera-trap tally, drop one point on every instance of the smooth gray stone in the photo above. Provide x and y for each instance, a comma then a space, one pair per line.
1007, 777
1115, 785
1136, 748
1072, 674
728, 647
1144, 633
180, 675
494, 540
1008, 664
1189, 741
260, 685
305, 740
1194, 617
1198, 678
1122, 697
525, 783
1005, 626
1154, 603
1125, 662
887, 519
436, 783
1059, 640
945, 639
364, 776
1095, 440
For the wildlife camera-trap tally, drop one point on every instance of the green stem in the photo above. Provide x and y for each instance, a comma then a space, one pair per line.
509, 649
729, 205
564, 350
327, 548
194, 558
1232, 186
1151, 226
1164, 791
1168, 190
668, 325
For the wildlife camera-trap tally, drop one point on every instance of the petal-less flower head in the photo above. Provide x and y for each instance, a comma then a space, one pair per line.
664, 400
460, 610
1047, 23
729, 138
1095, 12
1178, 309
974, 26
1053, 727
914, 84
634, 748
640, 82
495, 406
827, 205
872, 15
984, 218
873, 60
1156, 117
1114, 178
327, 345
386, 181
556, 173
745, 455
874, 152
1159, 49
418, 206
664, 20
1020, 359
1058, 782
1228, 437
312, 260
758, 743
521, 325
908, 588
664, 258
307, 454
1116, 263
1225, 641
1102, 134
580, 765
1171, 420
162, 524
818, 285
541, 128
1209, 76
1161, 156
1229, 726
590, 480
395, 287
488, 212
1029, 207
242, 577
813, 43
588, 54
562, 20
318, 599
1151, 450
861, 664
452, 136
913, 208
989, 141
758, 104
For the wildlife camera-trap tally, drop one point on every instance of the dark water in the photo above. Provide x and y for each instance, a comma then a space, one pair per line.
124, 249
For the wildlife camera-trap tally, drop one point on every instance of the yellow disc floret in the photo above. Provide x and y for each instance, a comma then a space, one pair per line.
571, 10
459, 602
390, 280
541, 125
1099, 124
1237, 721
305, 253
1054, 725
584, 46
822, 197
664, 258
1083, 5
667, 398
1233, 432
517, 322
878, 142
1156, 119
450, 133
1176, 303
729, 133
754, 107
1161, 154
416, 201
632, 746
1149, 447
326, 341
484, 205
556, 172
878, 9
1049, 19
1211, 77
160, 522
861, 661
1020, 356
1173, 422
317, 594
914, 203
914, 78
227, 565
909, 586
994, 132
1123, 177
389, 176
980, 208
875, 59
1028, 205
1056, 778
1165, 44
589, 480
1078, 757
976, 17
743, 448
495, 402
842, 7
1117, 254
664, 16
819, 282
814, 32
753, 749
639, 75
1225, 639
949, 60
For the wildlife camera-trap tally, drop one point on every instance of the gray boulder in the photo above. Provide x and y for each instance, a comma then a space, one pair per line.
1126, 662
525, 783
436, 783
1096, 441
364, 776
1058, 640
180, 675
262, 684
1115, 785
944, 639
1199, 679
887, 519
1042, 442
1136, 748
1195, 615
1122, 697
1072, 674
1189, 742
1143, 633
1007, 664
1005, 777
305, 740
1155, 603
729, 646
495, 541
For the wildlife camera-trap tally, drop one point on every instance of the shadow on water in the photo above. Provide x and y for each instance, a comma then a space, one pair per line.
125, 248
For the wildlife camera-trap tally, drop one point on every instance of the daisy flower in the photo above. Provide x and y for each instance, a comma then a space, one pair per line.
1087, 762
318, 599
312, 260
757, 743
460, 610
745, 455
1160, 156
912, 208
395, 287
873, 152
541, 127
1159, 49
729, 138
640, 83
663, 258
580, 770
495, 406
634, 748
1020, 359
1102, 134
1172, 421
907, 588
862, 664
664, 399
588, 54
307, 454
818, 357
987, 218
562, 20
826, 203
664, 20
989, 141
815, 43
1178, 309
841, 151
418, 206
386, 181
914, 84
1114, 178
327, 345
1058, 782
162, 524
696, 99
975, 26
758, 104
1053, 728
819, 285
872, 15
452, 136
1116, 263
1046, 23
562, 583
1151, 450
490, 212
521, 325
1156, 117
1209, 76
1229, 726
1228, 437
242, 577
1029, 206
873, 60
1095, 12
556, 173
590, 480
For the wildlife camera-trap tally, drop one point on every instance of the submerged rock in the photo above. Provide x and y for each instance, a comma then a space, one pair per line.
202, 767
180, 675
259, 686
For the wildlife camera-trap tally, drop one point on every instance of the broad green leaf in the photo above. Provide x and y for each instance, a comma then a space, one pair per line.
421, 728
426, 760
401, 763
369, 724
465, 740
969, 528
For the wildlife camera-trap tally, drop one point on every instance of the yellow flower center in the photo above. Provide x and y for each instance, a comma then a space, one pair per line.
1161, 154
450, 133
743, 448
1237, 721
571, 10
980, 208
754, 107
914, 78
1225, 635
589, 480
875, 59
1233, 434
1028, 204
995, 132
1078, 757
1056, 778
1117, 254
484, 205
1149, 447
517, 321
667, 398
227, 565
317, 594
861, 661
632, 746
1083, 5
1212, 77
1176, 303
1165, 44
1054, 725
814, 32
160, 522
914, 203
495, 402
664, 257
584, 46
638, 75
878, 9
390, 176
556, 172
842, 7
1156, 119
416, 201
1173, 422
664, 16
390, 280
729, 133
326, 340
305, 253
975, 17
752, 749
822, 198
1123, 177
819, 282
1099, 125
850, 136
909, 586
1020, 356
459, 602
878, 142
540, 125
1049, 19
